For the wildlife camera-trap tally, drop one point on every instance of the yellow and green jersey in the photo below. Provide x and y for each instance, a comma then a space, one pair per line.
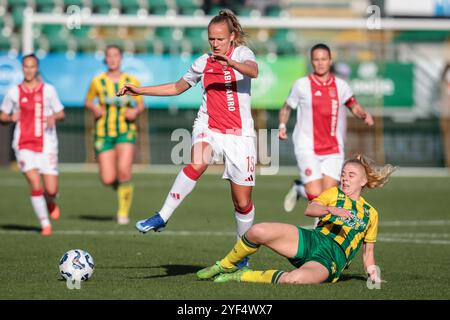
348, 233
113, 121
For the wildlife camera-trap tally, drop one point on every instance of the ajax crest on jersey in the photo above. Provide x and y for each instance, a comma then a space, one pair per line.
76, 265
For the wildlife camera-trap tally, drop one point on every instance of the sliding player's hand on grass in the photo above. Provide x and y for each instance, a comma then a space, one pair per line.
375, 278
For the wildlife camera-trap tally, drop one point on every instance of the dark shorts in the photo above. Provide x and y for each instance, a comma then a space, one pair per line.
315, 246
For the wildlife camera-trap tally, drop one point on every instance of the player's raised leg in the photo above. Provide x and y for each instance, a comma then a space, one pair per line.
244, 208
201, 155
328, 182
331, 167
244, 212
298, 190
51, 191
38, 200
309, 185
125, 156
281, 238
313, 189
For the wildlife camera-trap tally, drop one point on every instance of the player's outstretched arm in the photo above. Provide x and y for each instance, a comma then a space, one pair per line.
359, 112
168, 89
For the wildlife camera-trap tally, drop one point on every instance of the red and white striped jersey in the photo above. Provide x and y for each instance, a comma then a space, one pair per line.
33, 105
226, 105
321, 117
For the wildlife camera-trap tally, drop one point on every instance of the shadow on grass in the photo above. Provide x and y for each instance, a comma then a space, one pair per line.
18, 227
171, 270
95, 218
348, 277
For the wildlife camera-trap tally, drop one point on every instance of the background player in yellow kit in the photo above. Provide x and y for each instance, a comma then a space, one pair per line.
115, 128
347, 221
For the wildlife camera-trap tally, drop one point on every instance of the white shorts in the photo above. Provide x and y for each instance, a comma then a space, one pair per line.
313, 167
238, 152
46, 163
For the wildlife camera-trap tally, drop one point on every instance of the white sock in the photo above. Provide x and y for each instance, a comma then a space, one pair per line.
244, 222
40, 209
182, 186
300, 188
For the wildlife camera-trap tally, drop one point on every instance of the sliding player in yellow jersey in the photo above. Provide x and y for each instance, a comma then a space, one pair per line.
115, 128
347, 222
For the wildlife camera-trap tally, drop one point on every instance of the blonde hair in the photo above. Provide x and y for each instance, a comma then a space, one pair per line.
227, 16
377, 176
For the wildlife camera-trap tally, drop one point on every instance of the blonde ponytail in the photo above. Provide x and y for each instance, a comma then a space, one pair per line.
377, 176
227, 16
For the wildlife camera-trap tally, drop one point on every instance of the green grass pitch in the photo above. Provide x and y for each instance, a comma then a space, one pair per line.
413, 250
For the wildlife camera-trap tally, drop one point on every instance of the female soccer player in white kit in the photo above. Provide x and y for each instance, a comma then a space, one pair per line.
35, 107
224, 124
320, 130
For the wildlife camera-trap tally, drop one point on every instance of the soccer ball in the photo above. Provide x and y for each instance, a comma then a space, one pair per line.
76, 264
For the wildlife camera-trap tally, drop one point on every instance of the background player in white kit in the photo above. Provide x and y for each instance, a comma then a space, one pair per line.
224, 125
35, 107
321, 126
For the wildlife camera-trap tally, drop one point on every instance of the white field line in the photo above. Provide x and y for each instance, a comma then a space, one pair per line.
381, 238
416, 235
414, 223
126, 233
142, 185
282, 171
218, 169
408, 238
81, 183
398, 223
407, 223
148, 184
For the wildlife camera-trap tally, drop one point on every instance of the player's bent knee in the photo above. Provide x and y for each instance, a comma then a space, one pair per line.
108, 181
37, 192
258, 233
243, 206
199, 167
311, 196
194, 171
124, 176
36, 185
34, 182
51, 192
